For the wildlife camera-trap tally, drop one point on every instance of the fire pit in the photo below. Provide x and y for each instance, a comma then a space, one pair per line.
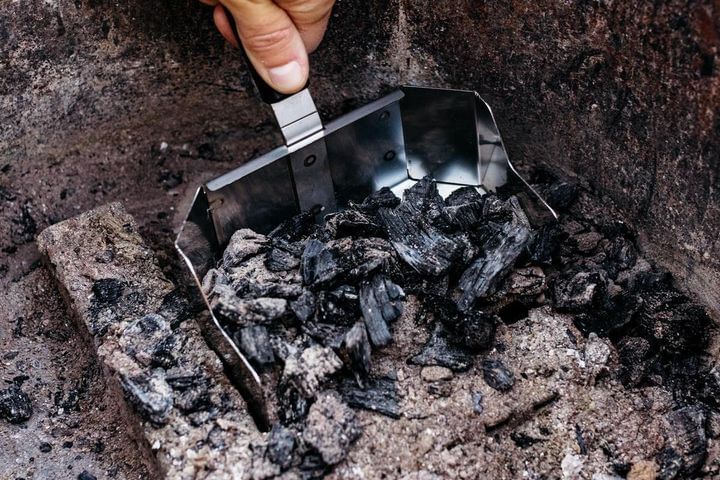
599, 363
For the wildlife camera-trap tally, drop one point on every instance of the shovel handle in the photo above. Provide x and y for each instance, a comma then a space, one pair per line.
267, 93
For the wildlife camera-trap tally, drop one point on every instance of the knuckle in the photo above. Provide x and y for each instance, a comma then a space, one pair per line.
261, 42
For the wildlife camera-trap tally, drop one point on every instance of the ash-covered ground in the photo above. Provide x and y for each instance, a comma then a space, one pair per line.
425, 338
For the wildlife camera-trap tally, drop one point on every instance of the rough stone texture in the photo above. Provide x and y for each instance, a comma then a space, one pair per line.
187, 413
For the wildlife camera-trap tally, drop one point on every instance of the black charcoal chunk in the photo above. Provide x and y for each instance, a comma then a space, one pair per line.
502, 244
686, 436
634, 353
304, 306
464, 208
383, 198
545, 244
381, 302
497, 375
331, 427
318, 263
15, 405
379, 394
350, 223
107, 291
249, 312
579, 289
144, 340
255, 344
474, 331
281, 443
279, 260
339, 306
421, 245
293, 405
560, 195
243, 244
356, 351
295, 228
85, 475
150, 394
440, 350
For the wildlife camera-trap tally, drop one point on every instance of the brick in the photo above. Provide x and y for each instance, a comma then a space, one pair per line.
189, 418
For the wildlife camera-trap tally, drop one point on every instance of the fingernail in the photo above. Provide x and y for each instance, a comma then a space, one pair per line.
287, 77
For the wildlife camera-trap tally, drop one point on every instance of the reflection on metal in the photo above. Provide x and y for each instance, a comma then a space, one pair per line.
392, 142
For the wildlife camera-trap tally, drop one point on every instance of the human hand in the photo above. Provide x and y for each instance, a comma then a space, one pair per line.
277, 35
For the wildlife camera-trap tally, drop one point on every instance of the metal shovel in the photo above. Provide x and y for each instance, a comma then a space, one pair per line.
391, 142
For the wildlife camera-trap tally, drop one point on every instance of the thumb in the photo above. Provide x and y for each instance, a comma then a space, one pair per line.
271, 40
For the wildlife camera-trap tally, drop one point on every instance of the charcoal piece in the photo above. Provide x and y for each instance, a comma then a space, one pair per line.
250, 287
243, 244
474, 331
634, 353
378, 395
249, 312
331, 427
523, 440
383, 198
143, 340
560, 195
579, 289
367, 255
293, 405
356, 351
502, 244
545, 244
279, 260
686, 436
107, 291
150, 394
15, 405
295, 228
439, 350
381, 302
670, 463
666, 317
422, 246
85, 475
280, 446
193, 398
464, 208
175, 306
621, 255
327, 334
423, 198
166, 352
350, 223
309, 369
497, 375
254, 342
318, 263
304, 306
613, 316
340, 306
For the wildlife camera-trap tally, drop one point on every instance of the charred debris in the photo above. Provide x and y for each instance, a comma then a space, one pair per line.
310, 304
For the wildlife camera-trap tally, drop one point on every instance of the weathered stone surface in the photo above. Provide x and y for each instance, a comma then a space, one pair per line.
158, 362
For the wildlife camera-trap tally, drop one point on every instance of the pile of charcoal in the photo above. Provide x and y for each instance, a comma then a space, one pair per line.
308, 304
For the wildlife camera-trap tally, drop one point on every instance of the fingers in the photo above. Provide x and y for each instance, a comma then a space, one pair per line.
310, 17
271, 40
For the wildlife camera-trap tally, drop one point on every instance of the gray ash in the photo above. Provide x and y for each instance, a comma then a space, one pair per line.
308, 305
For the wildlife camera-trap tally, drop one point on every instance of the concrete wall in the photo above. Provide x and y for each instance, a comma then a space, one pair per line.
140, 101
